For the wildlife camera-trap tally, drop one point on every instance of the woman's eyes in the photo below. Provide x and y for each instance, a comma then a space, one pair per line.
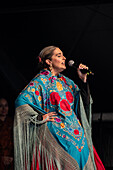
3, 105
59, 55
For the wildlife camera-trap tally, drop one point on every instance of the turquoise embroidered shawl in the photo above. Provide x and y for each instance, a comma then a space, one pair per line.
66, 142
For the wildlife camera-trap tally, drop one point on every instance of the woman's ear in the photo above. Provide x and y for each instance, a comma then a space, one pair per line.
48, 61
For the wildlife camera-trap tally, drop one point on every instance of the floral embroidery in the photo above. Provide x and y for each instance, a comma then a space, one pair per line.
39, 98
37, 92
70, 86
69, 97
52, 79
47, 102
33, 89
79, 149
31, 84
75, 86
58, 120
63, 79
44, 73
64, 136
59, 86
54, 98
47, 110
29, 89
29, 97
62, 125
76, 132
57, 94
65, 105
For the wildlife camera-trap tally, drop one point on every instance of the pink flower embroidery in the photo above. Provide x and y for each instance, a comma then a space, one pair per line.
52, 79
45, 73
75, 86
58, 120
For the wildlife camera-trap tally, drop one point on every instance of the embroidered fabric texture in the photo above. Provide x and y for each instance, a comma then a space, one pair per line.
35, 143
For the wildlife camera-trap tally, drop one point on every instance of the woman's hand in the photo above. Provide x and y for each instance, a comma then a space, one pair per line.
50, 116
82, 76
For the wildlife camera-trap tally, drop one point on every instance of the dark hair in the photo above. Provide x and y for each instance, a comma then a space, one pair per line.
5, 98
46, 53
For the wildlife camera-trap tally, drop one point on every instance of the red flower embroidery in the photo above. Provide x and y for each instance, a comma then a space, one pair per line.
53, 78
79, 150
63, 79
37, 92
54, 98
31, 84
65, 105
76, 132
50, 78
69, 97
64, 136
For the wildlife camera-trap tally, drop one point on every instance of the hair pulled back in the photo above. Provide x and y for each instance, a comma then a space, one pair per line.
46, 53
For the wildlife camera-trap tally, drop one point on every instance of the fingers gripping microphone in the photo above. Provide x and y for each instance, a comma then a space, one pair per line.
71, 63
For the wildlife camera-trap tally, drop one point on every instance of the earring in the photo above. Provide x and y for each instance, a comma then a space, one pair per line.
50, 68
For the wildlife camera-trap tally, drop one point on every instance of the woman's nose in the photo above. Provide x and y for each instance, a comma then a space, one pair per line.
64, 57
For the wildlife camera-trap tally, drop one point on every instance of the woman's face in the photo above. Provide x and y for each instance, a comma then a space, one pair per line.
58, 61
3, 107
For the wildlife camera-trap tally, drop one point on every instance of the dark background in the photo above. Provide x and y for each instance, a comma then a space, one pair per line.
83, 30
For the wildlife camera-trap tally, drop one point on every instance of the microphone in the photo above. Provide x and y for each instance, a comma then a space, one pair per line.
71, 63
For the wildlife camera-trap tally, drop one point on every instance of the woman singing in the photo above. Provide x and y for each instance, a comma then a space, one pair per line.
48, 133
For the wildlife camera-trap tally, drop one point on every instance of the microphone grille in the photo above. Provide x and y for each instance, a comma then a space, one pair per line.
71, 62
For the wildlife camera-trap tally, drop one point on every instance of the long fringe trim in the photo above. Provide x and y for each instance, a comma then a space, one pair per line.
43, 161
37, 149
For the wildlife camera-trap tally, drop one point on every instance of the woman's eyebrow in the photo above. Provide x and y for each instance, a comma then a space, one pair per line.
59, 53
